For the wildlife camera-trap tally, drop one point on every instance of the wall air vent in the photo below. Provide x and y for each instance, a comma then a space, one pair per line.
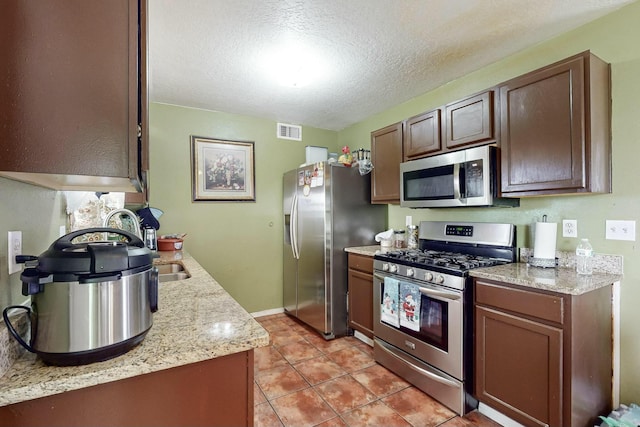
286, 131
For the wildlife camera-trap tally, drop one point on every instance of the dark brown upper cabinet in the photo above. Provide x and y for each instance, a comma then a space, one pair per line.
422, 135
555, 129
74, 94
386, 156
470, 121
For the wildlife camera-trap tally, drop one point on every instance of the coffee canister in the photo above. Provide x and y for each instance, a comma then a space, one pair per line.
412, 236
399, 239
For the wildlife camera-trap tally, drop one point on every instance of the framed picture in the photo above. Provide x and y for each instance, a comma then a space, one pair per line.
222, 170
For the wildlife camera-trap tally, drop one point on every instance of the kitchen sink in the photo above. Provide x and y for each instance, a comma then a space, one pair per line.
172, 271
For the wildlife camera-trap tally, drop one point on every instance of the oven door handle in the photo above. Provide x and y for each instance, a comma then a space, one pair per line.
419, 370
439, 294
379, 276
453, 296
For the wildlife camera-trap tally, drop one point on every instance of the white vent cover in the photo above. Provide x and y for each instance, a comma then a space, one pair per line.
286, 131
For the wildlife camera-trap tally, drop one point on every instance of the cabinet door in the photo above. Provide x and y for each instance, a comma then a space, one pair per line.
543, 130
70, 94
386, 156
422, 135
470, 121
519, 367
361, 302
141, 198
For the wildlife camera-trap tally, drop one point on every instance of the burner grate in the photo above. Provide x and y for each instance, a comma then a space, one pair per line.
449, 260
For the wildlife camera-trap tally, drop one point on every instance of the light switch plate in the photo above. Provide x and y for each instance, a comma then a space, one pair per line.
15, 248
621, 230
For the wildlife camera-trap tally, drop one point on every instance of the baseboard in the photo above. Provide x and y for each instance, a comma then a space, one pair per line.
268, 312
362, 337
496, 416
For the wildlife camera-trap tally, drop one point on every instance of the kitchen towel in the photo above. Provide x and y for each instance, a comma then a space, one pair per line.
545, 240
410, 308
389, 307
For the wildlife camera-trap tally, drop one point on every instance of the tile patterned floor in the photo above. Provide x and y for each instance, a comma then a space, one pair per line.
303, 380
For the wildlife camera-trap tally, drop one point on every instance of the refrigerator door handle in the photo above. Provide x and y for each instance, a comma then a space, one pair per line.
293, 227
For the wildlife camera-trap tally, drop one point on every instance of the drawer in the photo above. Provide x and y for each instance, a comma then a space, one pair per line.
361, 262
529, 303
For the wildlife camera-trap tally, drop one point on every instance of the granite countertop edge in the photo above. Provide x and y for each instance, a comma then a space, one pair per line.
559, 279
197, 320
364, 250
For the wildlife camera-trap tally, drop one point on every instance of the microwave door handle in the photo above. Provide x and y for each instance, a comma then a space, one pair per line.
457, 195
439, 294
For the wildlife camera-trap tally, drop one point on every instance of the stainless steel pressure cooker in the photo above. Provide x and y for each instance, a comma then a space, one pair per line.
90, 301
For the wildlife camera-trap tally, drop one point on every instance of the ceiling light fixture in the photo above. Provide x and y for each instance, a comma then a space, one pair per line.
294, 65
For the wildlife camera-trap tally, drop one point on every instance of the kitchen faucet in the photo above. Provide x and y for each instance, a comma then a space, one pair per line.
133, 216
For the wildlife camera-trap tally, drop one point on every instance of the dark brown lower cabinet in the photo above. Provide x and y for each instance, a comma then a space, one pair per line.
543, 358
216, 392
361, 294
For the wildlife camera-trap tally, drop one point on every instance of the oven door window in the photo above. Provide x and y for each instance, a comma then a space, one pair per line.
434, 315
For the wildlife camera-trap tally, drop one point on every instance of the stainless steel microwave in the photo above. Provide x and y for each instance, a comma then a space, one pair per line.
460, 178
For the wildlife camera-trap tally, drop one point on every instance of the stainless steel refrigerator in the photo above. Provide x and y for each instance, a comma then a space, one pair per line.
326, 209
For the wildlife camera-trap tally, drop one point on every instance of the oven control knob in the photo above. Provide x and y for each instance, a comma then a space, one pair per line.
428, 276
410, 272
393, 268
439, 279
385, 267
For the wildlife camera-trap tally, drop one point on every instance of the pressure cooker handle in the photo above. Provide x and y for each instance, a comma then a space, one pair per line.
12, 330
65, 241
153, 290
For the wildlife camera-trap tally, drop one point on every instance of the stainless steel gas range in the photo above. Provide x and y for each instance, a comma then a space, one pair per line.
423, 305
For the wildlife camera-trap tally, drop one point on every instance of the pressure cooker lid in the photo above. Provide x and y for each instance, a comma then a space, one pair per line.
95, 257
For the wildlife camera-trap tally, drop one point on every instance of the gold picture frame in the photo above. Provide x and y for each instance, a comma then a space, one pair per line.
222, 170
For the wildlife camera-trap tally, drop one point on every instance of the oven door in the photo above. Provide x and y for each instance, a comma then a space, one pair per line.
431, 331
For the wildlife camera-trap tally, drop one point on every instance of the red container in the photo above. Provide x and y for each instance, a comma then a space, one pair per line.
169, 244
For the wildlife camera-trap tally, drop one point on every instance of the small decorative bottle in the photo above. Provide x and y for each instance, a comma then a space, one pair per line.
584, 257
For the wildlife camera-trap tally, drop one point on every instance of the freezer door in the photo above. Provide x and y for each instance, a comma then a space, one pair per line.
312, 265
290, 263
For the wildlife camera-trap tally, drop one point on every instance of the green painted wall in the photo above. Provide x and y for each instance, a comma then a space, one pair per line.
38, 213
238, 243
613, 38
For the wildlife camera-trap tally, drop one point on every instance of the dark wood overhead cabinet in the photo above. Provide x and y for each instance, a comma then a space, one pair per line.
74, 94
386, 156
471, 121
422, 135
555, 129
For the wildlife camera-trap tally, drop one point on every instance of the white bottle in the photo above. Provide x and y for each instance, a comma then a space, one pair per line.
584, 257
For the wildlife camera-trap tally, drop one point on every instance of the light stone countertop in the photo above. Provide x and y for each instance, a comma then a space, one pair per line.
364, 250
560, 279
196, 320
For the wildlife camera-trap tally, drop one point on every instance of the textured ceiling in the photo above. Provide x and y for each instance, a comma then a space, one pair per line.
370, 54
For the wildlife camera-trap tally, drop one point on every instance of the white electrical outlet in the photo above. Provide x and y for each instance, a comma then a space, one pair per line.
569, 228
620, 230
15, 248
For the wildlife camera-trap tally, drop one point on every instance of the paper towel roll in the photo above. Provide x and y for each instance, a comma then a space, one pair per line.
545, 240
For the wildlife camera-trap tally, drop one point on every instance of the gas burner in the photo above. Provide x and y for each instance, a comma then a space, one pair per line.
454, 261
